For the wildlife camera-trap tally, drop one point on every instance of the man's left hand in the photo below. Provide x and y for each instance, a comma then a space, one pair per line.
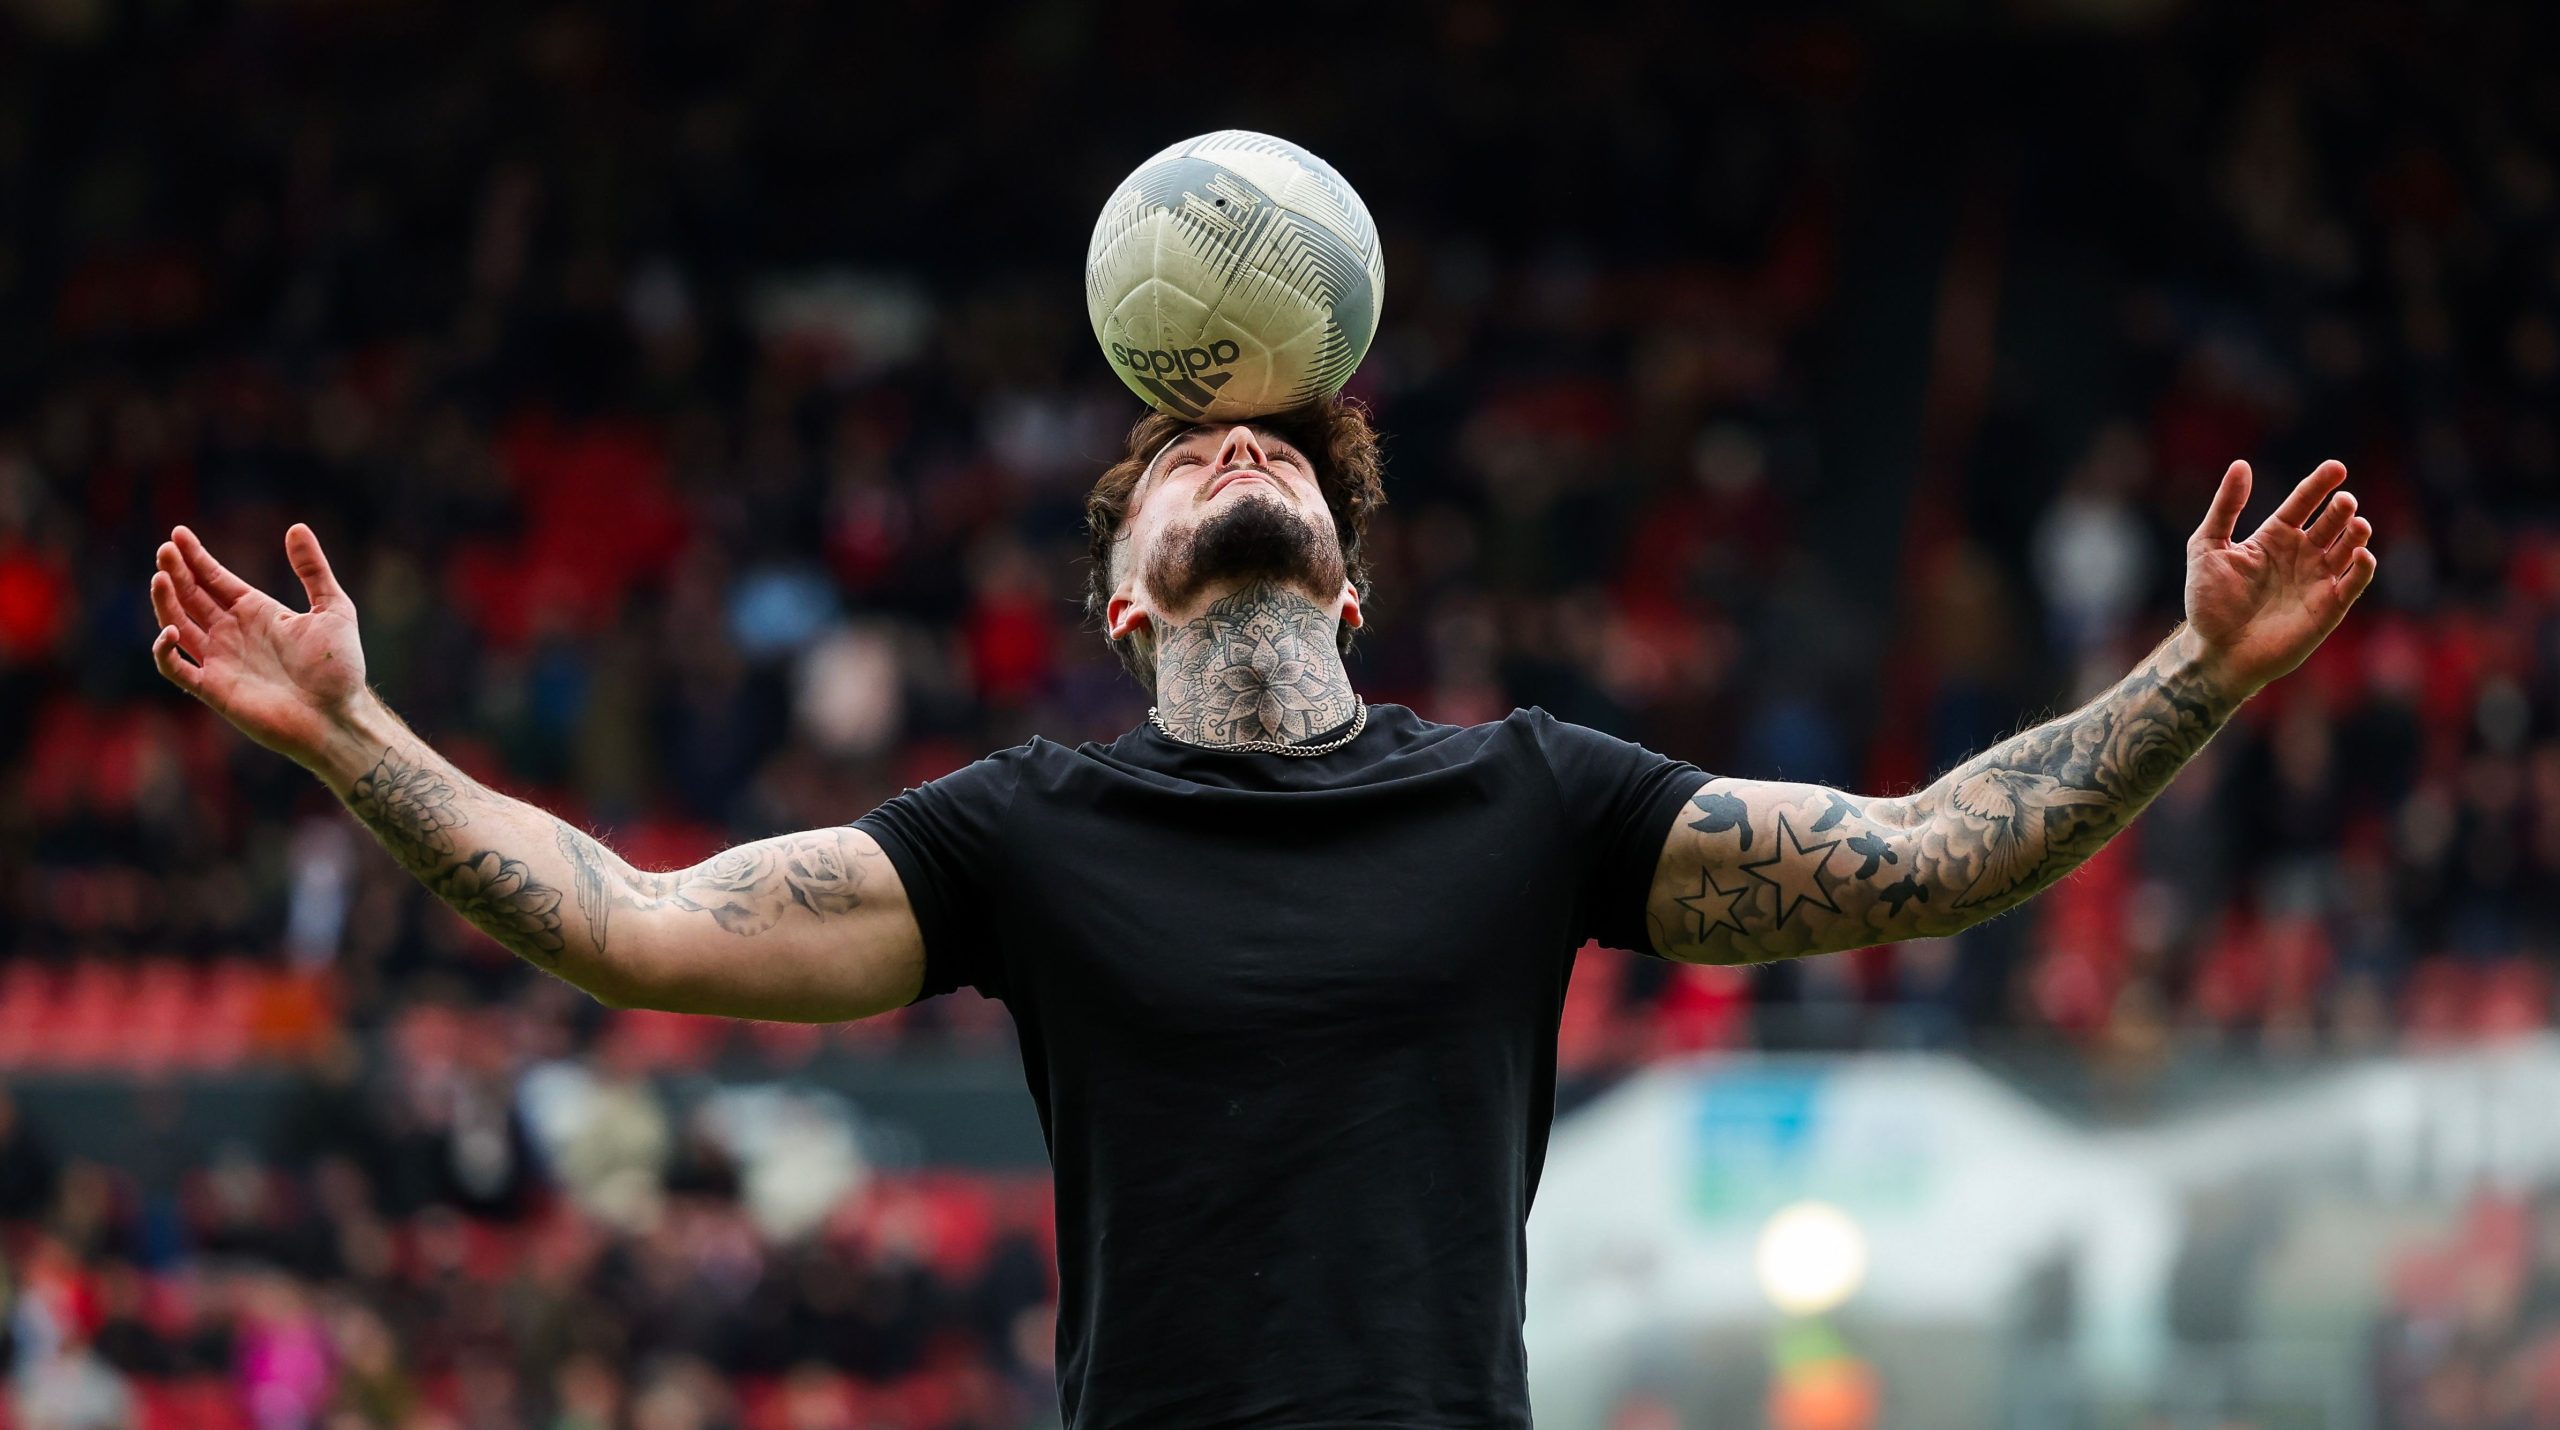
2259, 607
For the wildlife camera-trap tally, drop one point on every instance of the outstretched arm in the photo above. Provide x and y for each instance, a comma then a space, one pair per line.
1757, 870
810, 927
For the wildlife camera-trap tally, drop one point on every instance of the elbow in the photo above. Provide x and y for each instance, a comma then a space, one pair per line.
610, 998
619, 994
633, 977
1956, 921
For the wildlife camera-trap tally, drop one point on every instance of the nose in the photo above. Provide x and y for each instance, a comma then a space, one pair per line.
1241, 449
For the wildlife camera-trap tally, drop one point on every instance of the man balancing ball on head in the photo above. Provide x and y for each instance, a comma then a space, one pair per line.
1286, 966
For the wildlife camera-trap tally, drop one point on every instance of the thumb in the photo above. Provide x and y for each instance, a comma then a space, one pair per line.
2223, 517
302, 548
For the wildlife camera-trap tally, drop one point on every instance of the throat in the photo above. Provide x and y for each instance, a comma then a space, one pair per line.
1259, 664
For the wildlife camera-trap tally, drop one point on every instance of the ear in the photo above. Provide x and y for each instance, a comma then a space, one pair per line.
1350, 606
1122, 616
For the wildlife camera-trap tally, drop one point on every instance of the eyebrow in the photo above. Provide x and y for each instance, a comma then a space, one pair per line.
1269, 439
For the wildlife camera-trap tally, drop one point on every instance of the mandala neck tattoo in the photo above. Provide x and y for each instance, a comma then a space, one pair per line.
1259, 665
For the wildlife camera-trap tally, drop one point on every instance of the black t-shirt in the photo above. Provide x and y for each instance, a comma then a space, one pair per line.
1291, 1025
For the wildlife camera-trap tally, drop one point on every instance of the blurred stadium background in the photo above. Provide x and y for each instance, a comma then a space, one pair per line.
698, 402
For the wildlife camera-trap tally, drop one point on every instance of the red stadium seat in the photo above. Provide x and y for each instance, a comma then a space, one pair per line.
197, 1403
677, 1042
1703, 1007
26, 1011
89, 1029
786, 1045
165, 1014
1588, 1033
2436, 1006
2514, 999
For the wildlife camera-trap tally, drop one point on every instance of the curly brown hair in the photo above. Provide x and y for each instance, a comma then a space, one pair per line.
1336, 436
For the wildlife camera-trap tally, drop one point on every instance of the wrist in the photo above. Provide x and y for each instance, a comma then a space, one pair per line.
2190, 654
352, 741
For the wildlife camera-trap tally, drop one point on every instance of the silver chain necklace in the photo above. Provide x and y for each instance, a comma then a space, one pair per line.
1359, 722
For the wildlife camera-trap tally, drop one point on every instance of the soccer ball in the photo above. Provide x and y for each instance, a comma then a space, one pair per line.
1234, 275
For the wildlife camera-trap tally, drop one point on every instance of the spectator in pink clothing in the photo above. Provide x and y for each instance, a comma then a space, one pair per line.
284, 1369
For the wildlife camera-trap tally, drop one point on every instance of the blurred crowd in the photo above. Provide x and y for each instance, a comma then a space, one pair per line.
702, 468
698, 412
2471, 1337
2350, 249
483, 1232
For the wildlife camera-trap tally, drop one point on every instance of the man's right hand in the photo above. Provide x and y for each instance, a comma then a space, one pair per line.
289, 679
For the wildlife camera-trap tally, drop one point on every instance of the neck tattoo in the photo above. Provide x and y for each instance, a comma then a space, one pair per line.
1258, 666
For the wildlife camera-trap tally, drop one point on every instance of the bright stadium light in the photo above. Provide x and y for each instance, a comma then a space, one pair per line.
1812, 1258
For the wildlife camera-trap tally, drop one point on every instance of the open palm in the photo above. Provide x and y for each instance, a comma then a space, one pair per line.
282, 676
2263, 604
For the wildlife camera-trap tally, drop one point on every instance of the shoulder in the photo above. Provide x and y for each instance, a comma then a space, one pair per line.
1537, 722
985, 783
1012, 761
1397, 732
1521, 738
1582, 755
1536, 725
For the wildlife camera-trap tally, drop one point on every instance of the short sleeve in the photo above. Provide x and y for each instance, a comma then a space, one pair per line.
1619, 801
943, 837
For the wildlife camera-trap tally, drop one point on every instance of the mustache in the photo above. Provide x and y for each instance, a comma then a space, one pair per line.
1219, 482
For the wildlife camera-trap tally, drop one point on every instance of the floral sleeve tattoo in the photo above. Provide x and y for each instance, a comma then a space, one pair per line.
1757, 870
424, 817
745, 891
417, 814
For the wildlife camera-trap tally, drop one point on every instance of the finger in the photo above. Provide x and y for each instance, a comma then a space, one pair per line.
2350, 541
217, 580
183, 584
2358, 575
302, 548
2305, 498
173, 666
2332, 520
2221, 518
165, 609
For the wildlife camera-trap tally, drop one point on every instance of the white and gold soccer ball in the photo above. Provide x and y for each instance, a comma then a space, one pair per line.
1234, 275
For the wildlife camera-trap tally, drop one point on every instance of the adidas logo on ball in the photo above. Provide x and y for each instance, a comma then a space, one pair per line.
1242, 234
1182, 381
1165, 362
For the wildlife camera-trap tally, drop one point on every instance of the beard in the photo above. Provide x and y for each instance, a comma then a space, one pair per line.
1256, 538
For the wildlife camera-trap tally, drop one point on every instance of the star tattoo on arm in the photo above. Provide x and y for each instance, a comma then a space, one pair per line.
1979, 840
1711, 907
1794, 869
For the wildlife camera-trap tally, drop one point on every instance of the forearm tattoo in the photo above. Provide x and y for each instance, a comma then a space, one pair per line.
420, 817
587, 864
1828, 872
1259, 664
410, 807
417, 814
